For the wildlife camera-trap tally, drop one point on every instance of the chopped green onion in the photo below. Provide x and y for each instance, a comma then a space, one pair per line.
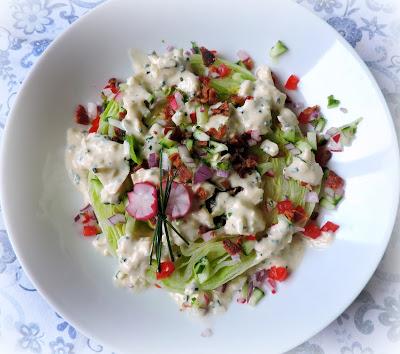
333, 102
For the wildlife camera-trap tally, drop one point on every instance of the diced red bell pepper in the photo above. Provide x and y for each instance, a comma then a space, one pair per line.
95, 125
292, 82
304, 117
334, 181
277, 273
167, 268
223, 70
90, 230
329, 227
311, 230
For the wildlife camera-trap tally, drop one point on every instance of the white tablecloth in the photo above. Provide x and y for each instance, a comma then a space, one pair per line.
28, 324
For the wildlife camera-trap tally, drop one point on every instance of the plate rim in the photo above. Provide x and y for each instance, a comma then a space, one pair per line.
110, 3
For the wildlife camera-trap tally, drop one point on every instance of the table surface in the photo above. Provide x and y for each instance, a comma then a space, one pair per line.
28, 324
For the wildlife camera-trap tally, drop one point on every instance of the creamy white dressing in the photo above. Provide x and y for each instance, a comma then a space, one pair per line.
169, 69
107, 159
243, 212
304, 168
133, 259
189, 225
287, 119
152, 139
151, 175
323, 241
278, 237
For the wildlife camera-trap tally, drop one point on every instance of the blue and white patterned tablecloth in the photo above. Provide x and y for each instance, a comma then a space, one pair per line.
27, 324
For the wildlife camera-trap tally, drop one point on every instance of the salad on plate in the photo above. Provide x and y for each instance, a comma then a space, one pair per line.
199, 177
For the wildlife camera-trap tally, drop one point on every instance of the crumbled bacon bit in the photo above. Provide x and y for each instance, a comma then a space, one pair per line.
207, 95
176, 160
248, 63
238, 101
208, 56
168, 112
223, 109
231, 248
323, 155
81, 116
201, 143
184, 174
218, 134
203, 229
122, 114
202, 193
176, 134
226, 184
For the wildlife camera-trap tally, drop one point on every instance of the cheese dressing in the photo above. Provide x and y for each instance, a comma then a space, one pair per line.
244, 215
107, 159
304, 168
159, 72
133, 256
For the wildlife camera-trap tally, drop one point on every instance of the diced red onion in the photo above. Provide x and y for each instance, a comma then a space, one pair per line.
272, 285
185, 156
116, 123
250, 290
77, 217
117, 219
331, 132
202, 109
236, 258
242, 55
290, 146
222, 173
161, 122
241, 300
119, 96
165, 162
295, 152
251, 142
86, 208
207, 236
170, 48
339, 192
255, 135
108, 93
261, 275
334, 146
178, 100
312, 197
92, 110
153, 160
314, 114
344, 110
203, 173
188, 53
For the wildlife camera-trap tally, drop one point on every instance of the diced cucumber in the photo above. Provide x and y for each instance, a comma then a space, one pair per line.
303, 145
248, 246
166, 142
319, 124
290, 135
189, 144
328, 203
245, 290
200, 135
257, 295
312, 139
202, 115
216, 147
278, 49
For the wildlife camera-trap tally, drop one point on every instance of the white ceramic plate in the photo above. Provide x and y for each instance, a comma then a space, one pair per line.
39, 202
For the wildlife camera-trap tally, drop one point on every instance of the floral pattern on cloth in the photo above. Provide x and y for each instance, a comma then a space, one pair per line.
29, 325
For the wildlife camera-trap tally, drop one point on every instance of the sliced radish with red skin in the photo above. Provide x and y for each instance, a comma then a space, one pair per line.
143, 203
179, 202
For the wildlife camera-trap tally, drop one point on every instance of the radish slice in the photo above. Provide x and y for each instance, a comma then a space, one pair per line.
143, 201
179, 202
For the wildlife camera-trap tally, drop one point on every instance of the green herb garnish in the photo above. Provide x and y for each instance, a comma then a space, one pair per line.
162, 220
333, 102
